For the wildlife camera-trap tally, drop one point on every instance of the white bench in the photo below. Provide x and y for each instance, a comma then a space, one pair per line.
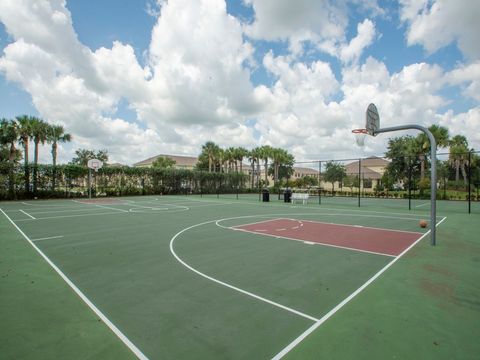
300, 197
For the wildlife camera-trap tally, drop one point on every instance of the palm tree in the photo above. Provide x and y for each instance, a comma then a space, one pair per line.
24, 136
39, 132
279, 156
241, 153
441, 136
459, 156
8, 137
212, 150
230, 158
265, 154
253, 157
256, 154
56, 134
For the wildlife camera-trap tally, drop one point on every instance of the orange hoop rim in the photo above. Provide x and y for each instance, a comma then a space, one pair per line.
360, 131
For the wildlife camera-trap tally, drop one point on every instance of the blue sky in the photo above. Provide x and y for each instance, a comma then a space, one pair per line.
165, 77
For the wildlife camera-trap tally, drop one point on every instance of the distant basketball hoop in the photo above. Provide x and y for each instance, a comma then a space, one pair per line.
94, 164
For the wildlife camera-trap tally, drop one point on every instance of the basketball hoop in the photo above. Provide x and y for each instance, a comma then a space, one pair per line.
360, 135
94, 164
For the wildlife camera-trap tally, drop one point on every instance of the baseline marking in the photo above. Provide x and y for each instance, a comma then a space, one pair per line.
328, 315
30, 216
82, 296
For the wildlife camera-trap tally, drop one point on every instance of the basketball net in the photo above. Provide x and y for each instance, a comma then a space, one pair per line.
360, 135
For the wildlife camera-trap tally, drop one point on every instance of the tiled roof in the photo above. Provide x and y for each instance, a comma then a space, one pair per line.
185, 161
369, 167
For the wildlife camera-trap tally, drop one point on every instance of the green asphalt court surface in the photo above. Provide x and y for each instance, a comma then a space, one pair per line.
169, 277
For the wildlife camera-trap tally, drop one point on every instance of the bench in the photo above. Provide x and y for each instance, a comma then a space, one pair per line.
300, 197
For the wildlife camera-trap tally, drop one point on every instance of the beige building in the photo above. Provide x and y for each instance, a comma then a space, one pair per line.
371, 171
181, 162
300, 172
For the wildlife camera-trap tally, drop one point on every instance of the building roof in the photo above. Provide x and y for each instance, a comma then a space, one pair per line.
183, 161
305, 170
371, 168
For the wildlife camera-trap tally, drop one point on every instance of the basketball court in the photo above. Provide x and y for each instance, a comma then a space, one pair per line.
175, 276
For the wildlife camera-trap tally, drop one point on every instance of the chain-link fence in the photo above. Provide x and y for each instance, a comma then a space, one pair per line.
349, 181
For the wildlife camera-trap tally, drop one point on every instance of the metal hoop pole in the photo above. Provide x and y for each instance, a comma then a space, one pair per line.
433, 172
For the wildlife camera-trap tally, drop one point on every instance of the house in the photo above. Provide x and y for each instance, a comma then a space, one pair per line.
181, 162
300, 172
371, 171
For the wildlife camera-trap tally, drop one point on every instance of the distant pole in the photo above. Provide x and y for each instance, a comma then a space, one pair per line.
319, 182
89, 183
359, 181
409, 183
469, 182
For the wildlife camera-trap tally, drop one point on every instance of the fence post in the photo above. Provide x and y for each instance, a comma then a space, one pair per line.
409, 183
319, 182
469, 182
359, 179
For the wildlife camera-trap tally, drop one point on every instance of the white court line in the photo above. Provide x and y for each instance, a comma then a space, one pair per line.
45, 205
110, 208
82, 296
226, 284
363, 227
427, 203
68, 216
36, 211
328, 315
48, 238
316, 243
258, 222
30, 216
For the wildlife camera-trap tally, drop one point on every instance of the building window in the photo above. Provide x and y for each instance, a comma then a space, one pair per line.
367, 183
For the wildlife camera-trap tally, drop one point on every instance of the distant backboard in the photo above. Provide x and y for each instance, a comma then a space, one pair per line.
94, 164
372, 123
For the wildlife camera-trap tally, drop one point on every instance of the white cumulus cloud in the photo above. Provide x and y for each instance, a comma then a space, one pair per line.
437, 23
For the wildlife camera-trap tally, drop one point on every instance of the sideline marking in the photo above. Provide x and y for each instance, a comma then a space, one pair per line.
82, 296
328, 315
226, 284
48, 238
30, 216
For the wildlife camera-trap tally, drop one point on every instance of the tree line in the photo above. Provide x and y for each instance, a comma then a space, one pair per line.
22, 130
276, 162
410, 154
